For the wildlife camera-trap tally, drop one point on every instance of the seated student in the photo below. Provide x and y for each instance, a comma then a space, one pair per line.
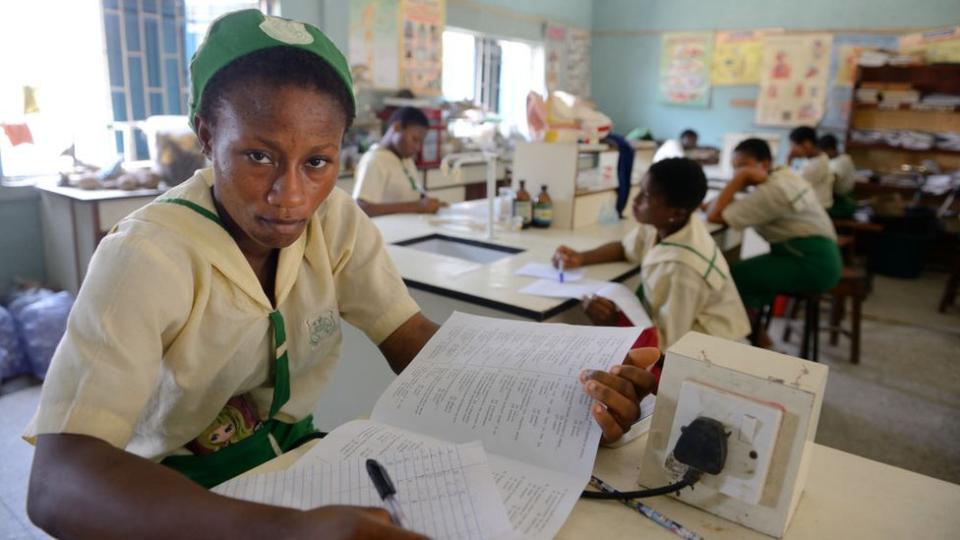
686, 282
844, 178
209, 320
783, 209
387, 178
672, 148
816, 168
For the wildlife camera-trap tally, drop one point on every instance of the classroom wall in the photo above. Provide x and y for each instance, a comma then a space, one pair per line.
503, 18
626, 51
21, 239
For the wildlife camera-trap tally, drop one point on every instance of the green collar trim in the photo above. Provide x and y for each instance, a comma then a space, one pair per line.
711, 262
196, 208
801, 194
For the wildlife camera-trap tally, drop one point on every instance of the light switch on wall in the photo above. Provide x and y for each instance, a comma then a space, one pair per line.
752, 427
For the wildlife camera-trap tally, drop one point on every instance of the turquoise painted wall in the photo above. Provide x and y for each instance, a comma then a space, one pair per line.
626, 50
21, 240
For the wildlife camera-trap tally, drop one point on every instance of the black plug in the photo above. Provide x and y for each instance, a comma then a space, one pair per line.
702, 445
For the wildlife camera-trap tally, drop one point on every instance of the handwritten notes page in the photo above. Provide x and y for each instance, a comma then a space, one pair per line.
512, 385
444, 490
624, 298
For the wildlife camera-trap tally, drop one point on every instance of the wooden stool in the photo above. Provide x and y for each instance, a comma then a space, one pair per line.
810, 344
852, 285
950, 291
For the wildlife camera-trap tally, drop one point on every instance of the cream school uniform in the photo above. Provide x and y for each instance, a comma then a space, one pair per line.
686, 283
171, 321
817, 172
382, 177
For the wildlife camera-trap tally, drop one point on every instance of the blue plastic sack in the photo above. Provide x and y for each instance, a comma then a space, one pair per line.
42, 324
13, 361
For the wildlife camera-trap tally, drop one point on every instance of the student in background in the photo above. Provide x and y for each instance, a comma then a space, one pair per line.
686, 282
783, 209
844, 178
673, 148
816, 168
387, 180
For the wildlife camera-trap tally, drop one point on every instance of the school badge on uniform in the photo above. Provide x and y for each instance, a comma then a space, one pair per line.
323, 327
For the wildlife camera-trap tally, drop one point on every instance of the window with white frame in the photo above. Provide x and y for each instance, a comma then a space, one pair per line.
495, 74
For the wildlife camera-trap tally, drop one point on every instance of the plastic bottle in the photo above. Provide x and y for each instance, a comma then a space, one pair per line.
523, 205
543, 209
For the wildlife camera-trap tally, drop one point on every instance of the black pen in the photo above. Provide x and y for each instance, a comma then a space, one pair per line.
381, 481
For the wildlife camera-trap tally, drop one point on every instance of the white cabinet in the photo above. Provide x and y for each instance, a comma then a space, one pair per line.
581, 180
74, 221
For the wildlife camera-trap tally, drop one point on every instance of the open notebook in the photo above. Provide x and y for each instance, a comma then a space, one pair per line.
510, 385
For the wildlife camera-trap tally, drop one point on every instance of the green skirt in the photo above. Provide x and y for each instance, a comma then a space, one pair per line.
797, 266
843, 207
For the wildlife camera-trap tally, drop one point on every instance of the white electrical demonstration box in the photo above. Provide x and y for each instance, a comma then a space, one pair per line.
769, 405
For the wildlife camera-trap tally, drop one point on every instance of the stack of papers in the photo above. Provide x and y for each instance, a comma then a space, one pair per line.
546, 271
486, 434
625, 299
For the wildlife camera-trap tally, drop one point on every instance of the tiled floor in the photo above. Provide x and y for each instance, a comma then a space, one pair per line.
901, 405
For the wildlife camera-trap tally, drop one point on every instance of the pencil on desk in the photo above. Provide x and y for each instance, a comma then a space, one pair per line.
654, 516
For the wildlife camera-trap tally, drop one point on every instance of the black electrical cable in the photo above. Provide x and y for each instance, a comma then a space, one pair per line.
689, 479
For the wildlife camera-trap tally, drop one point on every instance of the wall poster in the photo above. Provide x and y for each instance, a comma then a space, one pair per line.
737, 56
685, 68
421, 50
793, 81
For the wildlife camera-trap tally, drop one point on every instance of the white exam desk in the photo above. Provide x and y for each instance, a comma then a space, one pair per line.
846, 496
443, 284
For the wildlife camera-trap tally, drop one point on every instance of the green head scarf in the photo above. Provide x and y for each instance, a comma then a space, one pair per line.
243, 32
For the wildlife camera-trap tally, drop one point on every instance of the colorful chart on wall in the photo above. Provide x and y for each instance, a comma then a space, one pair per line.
737, 56
793, 82
685, 68
941, 45
843, 69
567, 59
373, 44
421, 51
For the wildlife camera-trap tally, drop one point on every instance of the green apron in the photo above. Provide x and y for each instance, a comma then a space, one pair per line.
271, 439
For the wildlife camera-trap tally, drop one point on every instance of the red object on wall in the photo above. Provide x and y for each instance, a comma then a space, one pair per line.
18, 133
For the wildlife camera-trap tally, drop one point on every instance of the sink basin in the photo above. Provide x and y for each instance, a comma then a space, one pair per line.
461, 248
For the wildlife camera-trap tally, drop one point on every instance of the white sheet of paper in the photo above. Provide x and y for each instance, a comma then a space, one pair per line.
547, 271
514, 386
554, 289
444, 490
627, 301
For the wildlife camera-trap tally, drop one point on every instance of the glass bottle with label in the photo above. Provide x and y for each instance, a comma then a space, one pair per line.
523, 205
543, 209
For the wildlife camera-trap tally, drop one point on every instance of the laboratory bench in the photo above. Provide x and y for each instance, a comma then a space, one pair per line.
75, 220
846, 496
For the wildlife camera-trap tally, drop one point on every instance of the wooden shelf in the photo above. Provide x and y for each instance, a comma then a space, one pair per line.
880, 146
903, 107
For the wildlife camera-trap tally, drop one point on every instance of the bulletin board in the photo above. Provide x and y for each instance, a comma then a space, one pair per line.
373, 43
567, 59
794, 79
685, 59
421, 50
737, 56
941, 45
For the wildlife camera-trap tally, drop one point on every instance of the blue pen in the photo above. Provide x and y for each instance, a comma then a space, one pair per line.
654, 516
560, 265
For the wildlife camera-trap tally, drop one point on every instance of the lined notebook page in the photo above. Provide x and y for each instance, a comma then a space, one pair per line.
444, 491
